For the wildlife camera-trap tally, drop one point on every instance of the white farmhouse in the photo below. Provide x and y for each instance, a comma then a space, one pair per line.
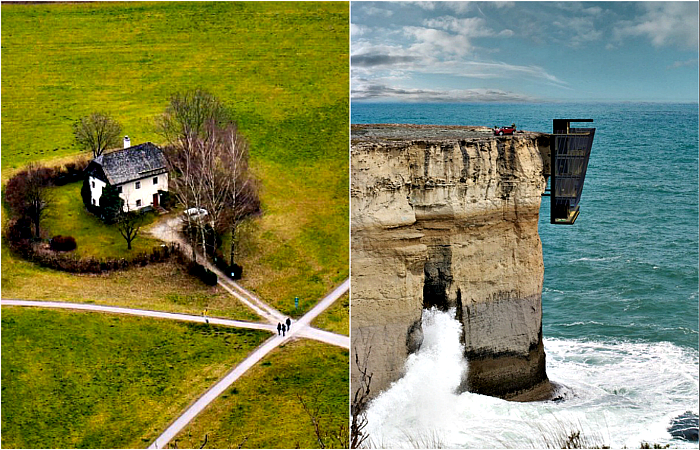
137, 172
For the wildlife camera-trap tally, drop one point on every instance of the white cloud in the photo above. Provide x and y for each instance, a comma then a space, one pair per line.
379, 91
470, 26
374, 11
665, 24
358, 30
693, 62
431, 41
501, 5
579, 30
428, 6
460, 7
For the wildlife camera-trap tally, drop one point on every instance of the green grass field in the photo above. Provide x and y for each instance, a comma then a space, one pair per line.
67, 216
262, 410
75, 379
169, 288
335, 319
281, 67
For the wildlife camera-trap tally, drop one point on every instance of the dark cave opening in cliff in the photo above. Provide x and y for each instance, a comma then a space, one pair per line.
438, 277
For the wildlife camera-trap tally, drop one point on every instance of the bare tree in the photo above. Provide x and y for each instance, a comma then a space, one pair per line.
97, 132
129, 223
325, 438
187, 115
358, 408
241, 199
28, 195
208, 160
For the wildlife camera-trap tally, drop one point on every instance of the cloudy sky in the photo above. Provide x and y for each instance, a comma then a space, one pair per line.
524, 51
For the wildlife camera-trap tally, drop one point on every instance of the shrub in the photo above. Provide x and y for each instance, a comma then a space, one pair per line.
167, 199
19, 229
207, 276
110, 204
63, 243
232, 271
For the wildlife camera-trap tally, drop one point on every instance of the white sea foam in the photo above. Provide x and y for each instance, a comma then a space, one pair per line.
619, 393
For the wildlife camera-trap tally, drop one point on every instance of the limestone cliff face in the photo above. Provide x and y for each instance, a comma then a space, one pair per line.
447, 217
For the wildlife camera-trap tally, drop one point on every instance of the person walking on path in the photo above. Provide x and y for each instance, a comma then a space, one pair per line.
289, 323
279, 328
283, 330
206, 319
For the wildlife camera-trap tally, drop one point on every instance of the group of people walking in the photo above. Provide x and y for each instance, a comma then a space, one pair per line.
282, 328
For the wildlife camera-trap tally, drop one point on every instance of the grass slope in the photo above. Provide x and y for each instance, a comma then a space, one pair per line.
90, 380
261, 410
169, 288
282, 67
335, 319
67, 216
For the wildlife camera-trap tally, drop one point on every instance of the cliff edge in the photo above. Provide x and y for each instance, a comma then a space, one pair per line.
447, 216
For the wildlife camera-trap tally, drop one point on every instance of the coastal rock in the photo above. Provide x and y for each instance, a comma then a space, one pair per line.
447, 217
685, 426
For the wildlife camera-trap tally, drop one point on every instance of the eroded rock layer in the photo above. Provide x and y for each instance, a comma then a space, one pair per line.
447, 217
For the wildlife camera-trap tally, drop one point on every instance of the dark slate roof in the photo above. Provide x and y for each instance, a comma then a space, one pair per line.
133, 163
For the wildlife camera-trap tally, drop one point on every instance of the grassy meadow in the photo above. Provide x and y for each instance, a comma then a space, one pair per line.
68, 217
169, 288
335, 319
262, 410
90, 380
281, 67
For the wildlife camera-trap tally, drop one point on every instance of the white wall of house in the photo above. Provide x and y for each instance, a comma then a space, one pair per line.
143, 195
96, 187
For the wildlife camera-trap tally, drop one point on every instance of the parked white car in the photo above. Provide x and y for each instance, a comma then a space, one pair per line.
195, 214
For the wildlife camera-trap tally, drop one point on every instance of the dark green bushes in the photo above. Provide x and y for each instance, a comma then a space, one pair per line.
207, 276
62, 243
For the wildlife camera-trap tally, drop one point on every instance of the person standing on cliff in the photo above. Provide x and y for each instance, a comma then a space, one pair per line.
289, 323
283, 330
279, 328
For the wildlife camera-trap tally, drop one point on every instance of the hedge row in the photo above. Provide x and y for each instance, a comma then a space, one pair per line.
68, 262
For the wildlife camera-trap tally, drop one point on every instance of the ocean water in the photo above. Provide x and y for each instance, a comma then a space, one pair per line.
620, 296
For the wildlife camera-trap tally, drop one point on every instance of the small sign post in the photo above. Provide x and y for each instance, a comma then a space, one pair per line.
296, 302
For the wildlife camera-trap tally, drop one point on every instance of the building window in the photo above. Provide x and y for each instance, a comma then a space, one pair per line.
93, 184
138, 203
119, 189
155, 180
138, 185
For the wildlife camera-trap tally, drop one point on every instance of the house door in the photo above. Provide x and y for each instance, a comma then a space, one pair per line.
155, 200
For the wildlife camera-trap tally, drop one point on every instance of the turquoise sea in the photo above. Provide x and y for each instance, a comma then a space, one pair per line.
620, 296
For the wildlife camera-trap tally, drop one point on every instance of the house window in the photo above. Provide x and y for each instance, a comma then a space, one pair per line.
138, 203
138, 185
93, 184
119, 189
155, 180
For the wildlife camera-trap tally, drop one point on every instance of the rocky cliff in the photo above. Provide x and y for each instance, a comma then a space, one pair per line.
447, 217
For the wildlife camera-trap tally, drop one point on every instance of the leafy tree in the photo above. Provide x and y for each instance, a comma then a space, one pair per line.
97, 132
110, 204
